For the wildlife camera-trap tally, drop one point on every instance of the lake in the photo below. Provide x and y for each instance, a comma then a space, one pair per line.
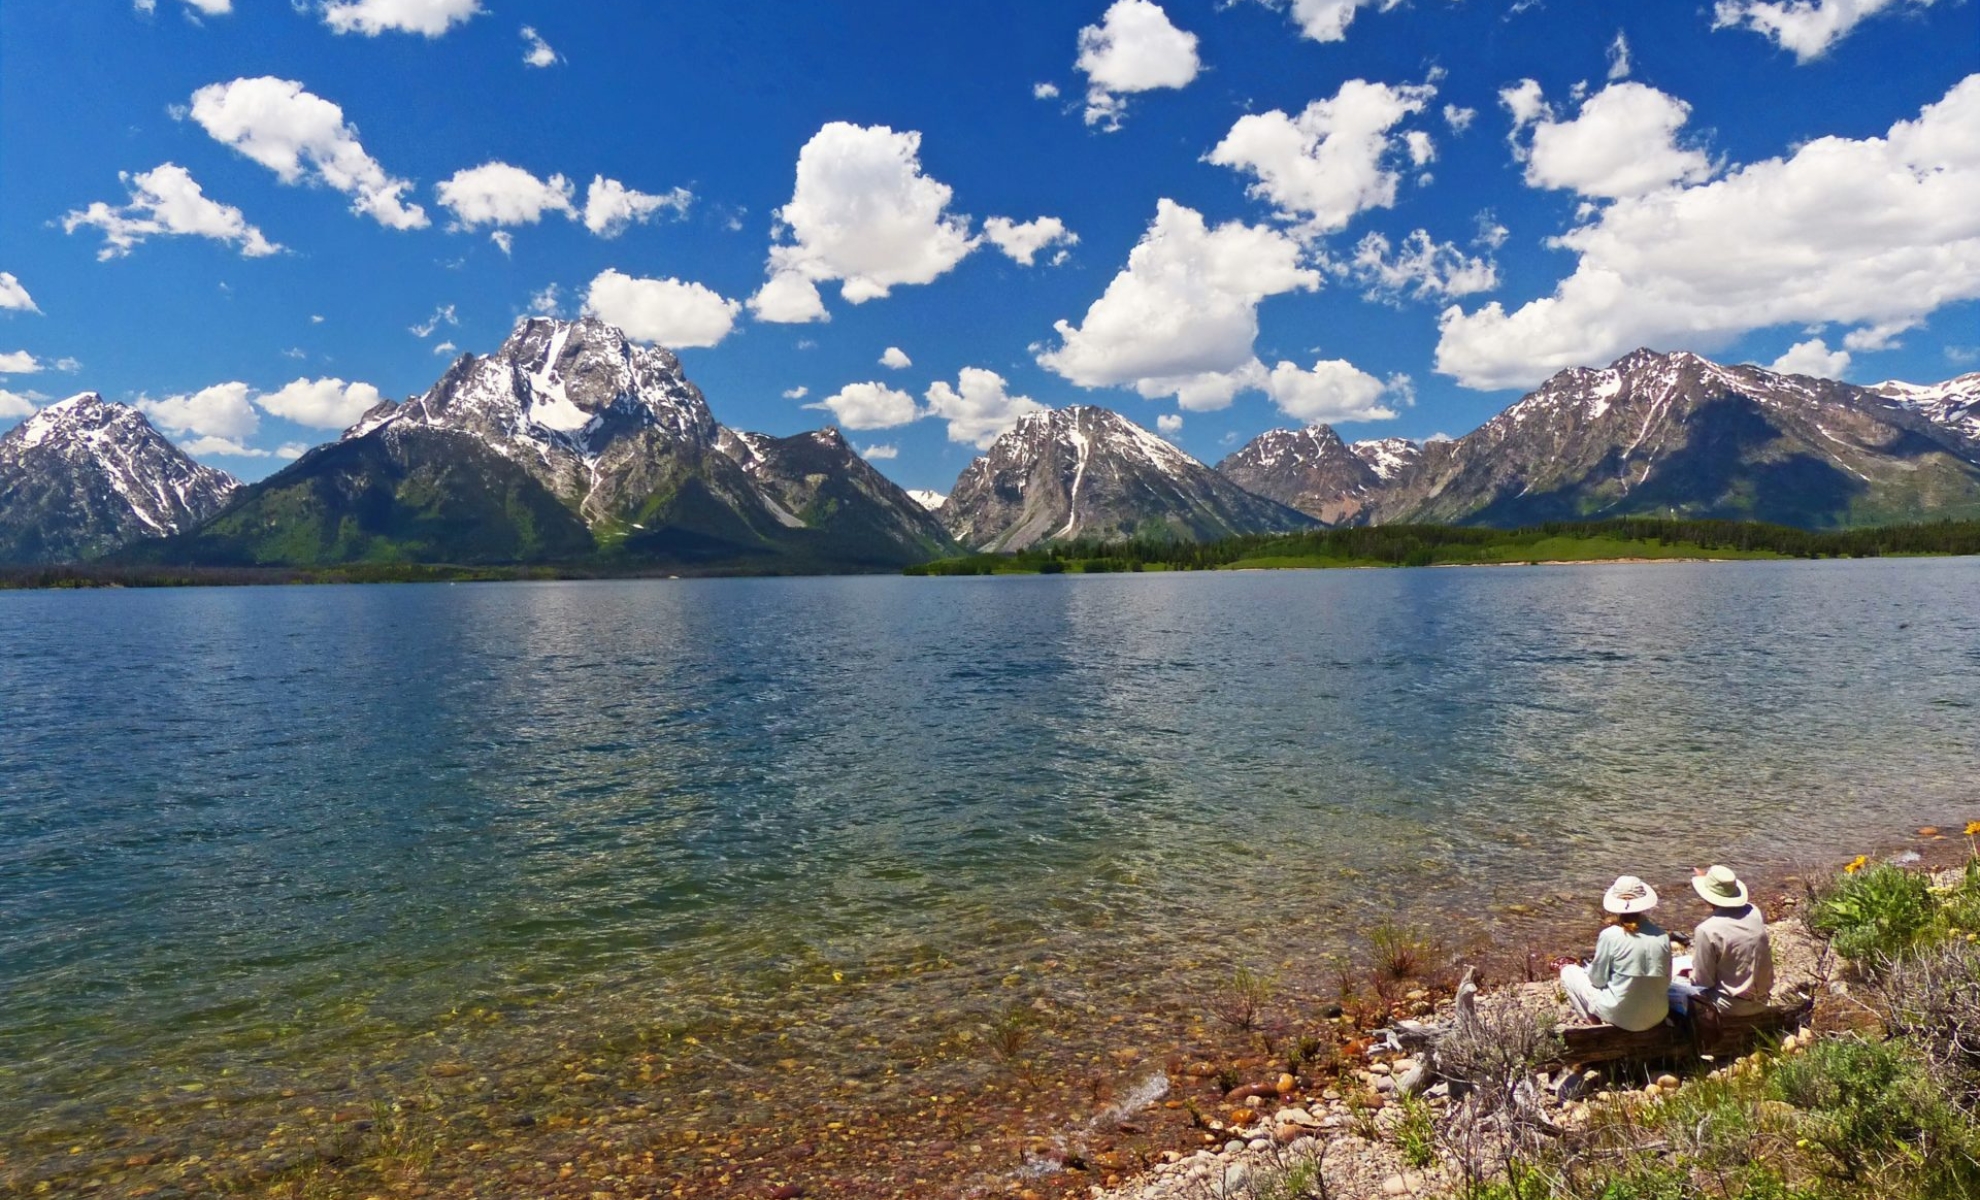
272, 850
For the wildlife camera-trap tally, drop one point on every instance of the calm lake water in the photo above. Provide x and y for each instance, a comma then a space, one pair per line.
253, 838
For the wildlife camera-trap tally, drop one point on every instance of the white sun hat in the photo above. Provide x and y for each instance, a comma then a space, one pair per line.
1628, 894
1720, 887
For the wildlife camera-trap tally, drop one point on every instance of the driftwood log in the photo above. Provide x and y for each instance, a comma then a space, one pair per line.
1705, 1032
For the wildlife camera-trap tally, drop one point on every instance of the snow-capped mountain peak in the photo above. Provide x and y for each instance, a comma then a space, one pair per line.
84, 476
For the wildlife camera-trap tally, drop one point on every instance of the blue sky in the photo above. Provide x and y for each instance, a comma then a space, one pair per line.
1753, 180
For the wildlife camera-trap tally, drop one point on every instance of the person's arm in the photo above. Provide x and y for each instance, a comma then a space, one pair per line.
1599, 971
1705, 958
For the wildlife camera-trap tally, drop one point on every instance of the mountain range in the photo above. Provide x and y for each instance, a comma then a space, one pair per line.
570, 444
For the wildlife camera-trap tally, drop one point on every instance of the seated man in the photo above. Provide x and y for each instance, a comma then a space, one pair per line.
1732, 960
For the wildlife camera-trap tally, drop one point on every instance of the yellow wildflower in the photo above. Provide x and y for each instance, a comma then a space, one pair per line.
1972, 828
1856, 864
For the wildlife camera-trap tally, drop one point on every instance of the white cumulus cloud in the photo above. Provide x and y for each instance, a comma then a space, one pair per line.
536, 51
166, 202
1619, 57
321, 403
1133, 49
221, 411
669, 312
1330, 162
300, 135
1459, 119
796, 393
869, 406
13, 404
1021, 241
1169, 424
862, 213
895, 359
1877, 232
1812, 357
1181, 318
20, 362
1422, 268
1805, 27
496, 193
1045, 91
979, 408
610, 206
881, 452
373, 17
1623, 142
13, 296
1331, 390
1328, 20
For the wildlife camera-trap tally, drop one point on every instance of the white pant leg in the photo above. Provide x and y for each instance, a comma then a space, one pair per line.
1581, 994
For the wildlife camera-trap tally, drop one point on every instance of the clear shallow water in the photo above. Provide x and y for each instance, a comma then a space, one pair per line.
270, 833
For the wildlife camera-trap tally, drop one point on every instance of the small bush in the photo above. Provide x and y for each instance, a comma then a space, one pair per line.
1873, 1104
1932, 998
1240, 1002
1399, 953
1416, 1134
1876, 915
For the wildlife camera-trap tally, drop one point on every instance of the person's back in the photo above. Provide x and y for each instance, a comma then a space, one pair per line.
1634, 965
1732, 959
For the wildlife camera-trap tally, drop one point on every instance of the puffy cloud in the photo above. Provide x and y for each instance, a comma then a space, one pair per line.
862, 213
1045, 91
1022, 241
1328, 20
796, 393
877, 453
373, 17
1133, 49
669, 312
1322, 167
1619, 57
1527, 103
1333, 390
895, 359
1181, 318
300, 135
1423, 268
548, 302
1169, 424
13, 404
1806, 27
20, 362
788, 298
166, 202
1623, 143
611, 206
869, 406
1491, 234
1459, 119
321, 403
1877, 232
13, 296
496, 193
1812, 357
979, 408
1422, 149
221, 411
536, 51
222, 447
504, 241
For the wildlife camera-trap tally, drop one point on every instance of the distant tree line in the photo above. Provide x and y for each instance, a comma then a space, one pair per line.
1427, 545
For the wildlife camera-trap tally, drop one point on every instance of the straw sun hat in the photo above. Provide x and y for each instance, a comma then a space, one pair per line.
1720, 887
1629, 894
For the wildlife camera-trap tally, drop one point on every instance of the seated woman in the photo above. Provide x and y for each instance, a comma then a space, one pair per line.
1628, 983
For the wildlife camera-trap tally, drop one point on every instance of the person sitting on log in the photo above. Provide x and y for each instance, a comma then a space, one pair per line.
1731, 965
1628, 982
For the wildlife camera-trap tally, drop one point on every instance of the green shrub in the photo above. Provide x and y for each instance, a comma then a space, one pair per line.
1873, 1105
1416, 1133
1877, 914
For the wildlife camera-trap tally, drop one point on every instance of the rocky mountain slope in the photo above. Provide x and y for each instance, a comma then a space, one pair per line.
1086, 472
1309, 469
1655, 434
570, 442
84, 477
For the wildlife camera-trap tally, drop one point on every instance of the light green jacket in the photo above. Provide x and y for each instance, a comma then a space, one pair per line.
1633, 973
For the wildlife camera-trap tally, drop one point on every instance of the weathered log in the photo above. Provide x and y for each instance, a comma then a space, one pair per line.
1708, 1032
